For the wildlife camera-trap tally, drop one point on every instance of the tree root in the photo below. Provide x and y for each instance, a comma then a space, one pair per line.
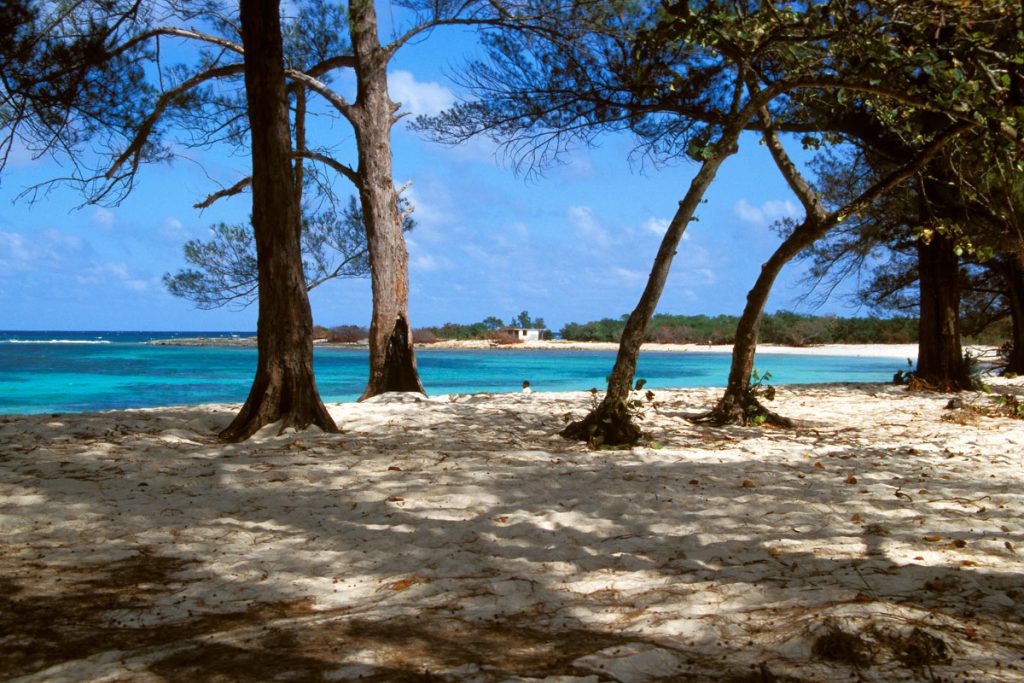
749, 413
609, 424
939, 386
296, 404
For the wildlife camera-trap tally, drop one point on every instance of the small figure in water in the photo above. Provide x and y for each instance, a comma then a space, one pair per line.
526, 387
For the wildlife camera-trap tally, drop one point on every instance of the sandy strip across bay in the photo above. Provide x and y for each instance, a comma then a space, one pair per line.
852, 350
460, 538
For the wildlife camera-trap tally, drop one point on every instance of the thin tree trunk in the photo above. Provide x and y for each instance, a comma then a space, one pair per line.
284, 387
1013, 273
736, 405
392, 358
940, 357
611, 422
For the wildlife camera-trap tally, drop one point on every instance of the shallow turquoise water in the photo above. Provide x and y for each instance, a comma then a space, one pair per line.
52, 372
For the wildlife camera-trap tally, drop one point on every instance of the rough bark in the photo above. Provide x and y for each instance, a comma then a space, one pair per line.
284, 388
1013, 273
392, 358
940, 357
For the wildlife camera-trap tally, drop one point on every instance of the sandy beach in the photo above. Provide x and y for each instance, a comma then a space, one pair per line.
458, 538
854, 350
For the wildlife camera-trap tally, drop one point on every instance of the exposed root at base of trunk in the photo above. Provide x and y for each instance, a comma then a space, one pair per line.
267, 404
937, 385
240, 430
748, 413
397, 371
610, 424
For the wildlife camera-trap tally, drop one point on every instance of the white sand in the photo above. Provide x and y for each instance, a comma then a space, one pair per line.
460, 536
856, 350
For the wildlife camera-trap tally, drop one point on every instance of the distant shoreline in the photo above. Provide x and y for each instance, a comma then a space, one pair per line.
908, 351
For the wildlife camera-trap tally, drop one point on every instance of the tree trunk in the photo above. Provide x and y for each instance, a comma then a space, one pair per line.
940, 358
737, 405
284, 387
611, 423
392, 358
1013, 273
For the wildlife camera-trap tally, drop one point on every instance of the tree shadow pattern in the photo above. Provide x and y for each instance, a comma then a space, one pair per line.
466, 541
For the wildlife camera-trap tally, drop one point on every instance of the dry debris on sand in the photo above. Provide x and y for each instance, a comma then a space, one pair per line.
459, 538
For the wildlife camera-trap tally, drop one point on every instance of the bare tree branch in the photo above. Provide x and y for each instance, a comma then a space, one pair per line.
237, 188
134, 150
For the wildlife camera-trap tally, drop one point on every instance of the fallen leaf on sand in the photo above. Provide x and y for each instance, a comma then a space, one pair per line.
405, 583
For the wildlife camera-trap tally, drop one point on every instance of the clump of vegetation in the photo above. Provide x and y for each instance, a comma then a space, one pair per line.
915, 649
921, 649
484, 329
423, 335
598, 427
755, 414
341, 334
914, 382
1003, 405
837, 645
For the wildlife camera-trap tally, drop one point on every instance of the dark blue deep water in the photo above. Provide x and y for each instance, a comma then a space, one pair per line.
52, 372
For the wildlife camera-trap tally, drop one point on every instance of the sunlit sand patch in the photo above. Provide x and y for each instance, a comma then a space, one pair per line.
464, 539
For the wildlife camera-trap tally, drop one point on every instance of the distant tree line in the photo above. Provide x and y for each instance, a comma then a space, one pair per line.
782, 327
484, 329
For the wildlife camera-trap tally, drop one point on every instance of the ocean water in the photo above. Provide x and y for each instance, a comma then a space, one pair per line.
57, 372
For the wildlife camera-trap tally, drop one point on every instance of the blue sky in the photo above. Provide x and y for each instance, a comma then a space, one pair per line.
573, 245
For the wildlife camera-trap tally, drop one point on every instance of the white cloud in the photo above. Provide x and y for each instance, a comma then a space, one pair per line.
103, 218
768, 212
628, 277
658, 226
14, 252
579, 167
587, 228
424, 262
707, 274
431, 205
428, 263
418, 97
174, 229
47, 249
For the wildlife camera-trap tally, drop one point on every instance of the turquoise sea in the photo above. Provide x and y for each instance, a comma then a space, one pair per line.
57, 372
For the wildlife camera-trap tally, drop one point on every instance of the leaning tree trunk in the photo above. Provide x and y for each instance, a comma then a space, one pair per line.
611, 423
392, 359
284, 387
737, 405
940, 357
1013, 273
